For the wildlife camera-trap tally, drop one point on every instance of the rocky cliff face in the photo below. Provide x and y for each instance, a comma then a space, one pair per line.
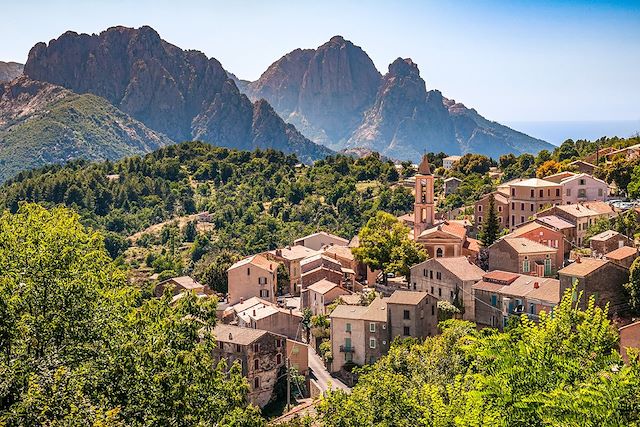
323, 91
182, 94
42, 123
336, 97
9, 71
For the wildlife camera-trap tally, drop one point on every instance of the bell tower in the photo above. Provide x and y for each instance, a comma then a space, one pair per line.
423, 210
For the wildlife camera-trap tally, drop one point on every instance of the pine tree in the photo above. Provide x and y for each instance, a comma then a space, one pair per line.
491, 227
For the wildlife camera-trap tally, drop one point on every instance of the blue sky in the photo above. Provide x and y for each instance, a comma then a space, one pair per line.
511, 60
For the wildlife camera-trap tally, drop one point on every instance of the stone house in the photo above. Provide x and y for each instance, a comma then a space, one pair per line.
501, 204
523, 256
412, 314
623, 256
449, 279
254, 276
582, 188
582, 216
359, 335
629, 338
179, 285
449, 161
567, 229
583, 167
501, 294
317, 241
257, 313
530, 196
351, 268
322, 293
291, 256
599, 278
606, 242
260, 353
450, 185
546, 236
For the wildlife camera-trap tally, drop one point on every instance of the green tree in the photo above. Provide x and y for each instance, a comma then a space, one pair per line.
491, 227
633, 286
190, 231
385, 245
212, 270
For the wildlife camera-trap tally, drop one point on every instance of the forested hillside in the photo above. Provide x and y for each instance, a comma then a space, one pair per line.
257, 200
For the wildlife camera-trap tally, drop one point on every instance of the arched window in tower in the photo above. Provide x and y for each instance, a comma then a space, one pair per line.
423, 190
439, 253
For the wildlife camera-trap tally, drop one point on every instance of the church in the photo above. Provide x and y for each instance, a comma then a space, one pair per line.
441, 238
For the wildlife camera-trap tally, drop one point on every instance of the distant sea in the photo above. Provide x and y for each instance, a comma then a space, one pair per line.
557, 132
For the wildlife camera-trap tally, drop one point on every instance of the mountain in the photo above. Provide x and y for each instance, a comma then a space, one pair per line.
180, 93
324, 92
336, 96
9, 71
41, 123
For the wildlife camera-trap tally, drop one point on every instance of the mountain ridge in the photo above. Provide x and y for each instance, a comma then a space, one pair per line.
394, 114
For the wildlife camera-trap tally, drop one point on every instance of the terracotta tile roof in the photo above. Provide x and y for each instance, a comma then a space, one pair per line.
527, 227
236, 334
294, 252
460, 267
348, 312
377, 310
525, 246
453, 178
258, 261
605, 235
424, 168
323, 233
558, 177
549, 291
503, 276
407, 297
472, 244
185, 282
322, 286
600, 207
583, 267
622, 253
534, 182
341, 251
555, 222
524, 286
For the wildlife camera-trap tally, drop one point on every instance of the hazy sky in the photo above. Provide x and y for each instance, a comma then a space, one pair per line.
511, 60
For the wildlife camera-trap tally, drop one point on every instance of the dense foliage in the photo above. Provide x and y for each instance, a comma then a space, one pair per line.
80, 347
258, 200
564, 371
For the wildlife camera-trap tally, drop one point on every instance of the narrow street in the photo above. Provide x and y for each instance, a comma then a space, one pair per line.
320, 374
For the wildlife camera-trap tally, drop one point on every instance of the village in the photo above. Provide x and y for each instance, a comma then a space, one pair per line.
336, 313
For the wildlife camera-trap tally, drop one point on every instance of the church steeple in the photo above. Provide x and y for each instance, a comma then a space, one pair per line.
424, 209
424, 168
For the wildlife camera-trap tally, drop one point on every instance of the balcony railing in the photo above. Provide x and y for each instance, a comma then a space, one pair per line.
347, 349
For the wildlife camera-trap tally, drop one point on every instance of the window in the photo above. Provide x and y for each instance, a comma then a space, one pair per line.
479, 219
494, 300
264, 293
372, 327
407, 331
256, 364
499, 208
513, 191
439, 253
372, 342
581, 181
256, 382
278, 358
532, 207
451, 292
424, 272
406, 315
599, 192
262, 280
547, 266
541, 193
433, 310
521, 206
238, 348
479, 208
513, 206
568, 192
557, 192
278, 342
432, 290
422, 313
248, 271
525, 265
532, 192
521, 219
440, 292
431, 274
256, 347
532, 308
582, 193
348, 327
439, 275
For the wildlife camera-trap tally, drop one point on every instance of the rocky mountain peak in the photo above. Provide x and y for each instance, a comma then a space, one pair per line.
404, 68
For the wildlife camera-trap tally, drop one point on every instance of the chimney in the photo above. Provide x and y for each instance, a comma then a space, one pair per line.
279, 252
536, 285
578, 259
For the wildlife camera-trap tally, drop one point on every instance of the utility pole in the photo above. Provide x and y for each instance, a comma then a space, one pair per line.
288, 383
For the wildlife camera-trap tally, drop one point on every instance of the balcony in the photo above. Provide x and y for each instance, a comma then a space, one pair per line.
347, 349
